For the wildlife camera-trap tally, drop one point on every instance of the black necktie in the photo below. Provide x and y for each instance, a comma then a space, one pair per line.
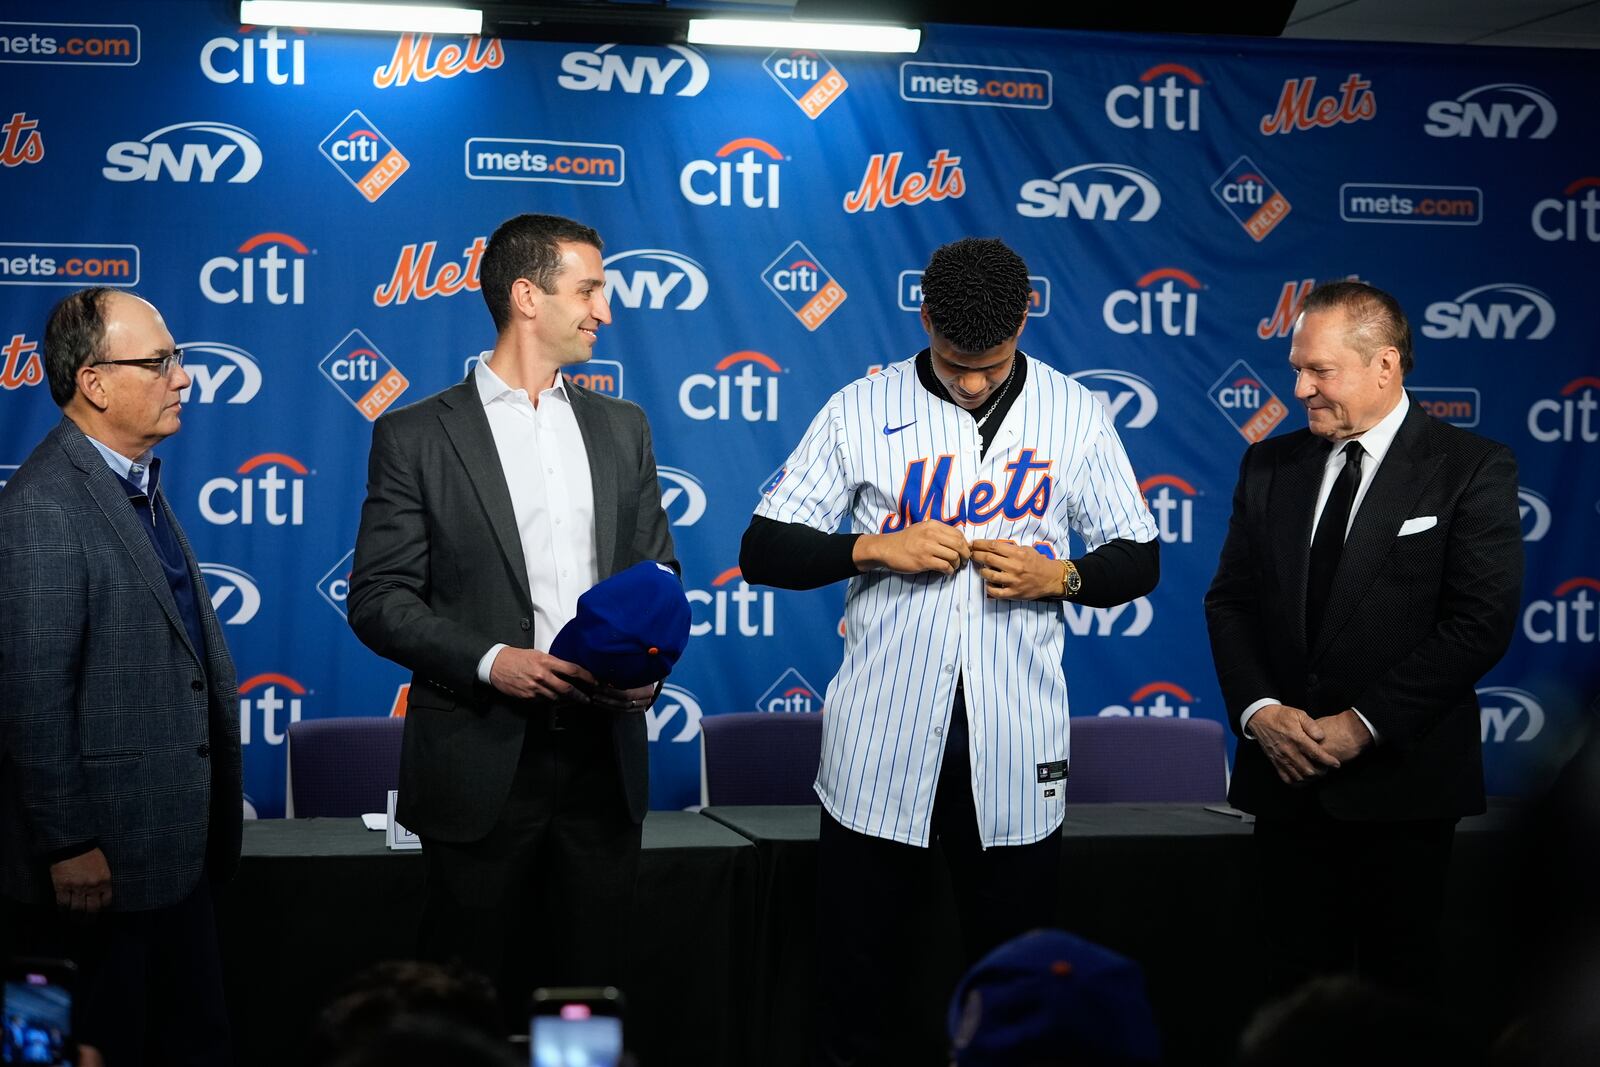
1328, 544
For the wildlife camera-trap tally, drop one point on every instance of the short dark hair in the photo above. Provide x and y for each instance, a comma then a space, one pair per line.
527, 246
976, 291
1376, 320
374, 1001
74, 335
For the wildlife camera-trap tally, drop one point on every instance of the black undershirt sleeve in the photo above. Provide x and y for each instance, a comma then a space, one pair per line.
791, 555
1118, 571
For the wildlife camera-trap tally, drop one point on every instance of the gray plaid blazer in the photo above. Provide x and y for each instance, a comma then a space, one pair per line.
113, 727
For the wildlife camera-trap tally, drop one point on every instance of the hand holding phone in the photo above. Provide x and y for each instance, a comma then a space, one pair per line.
36, 1012
576, 1027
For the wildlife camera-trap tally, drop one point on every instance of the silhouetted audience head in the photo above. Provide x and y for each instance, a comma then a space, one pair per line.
1344, 1022
406, 997
427, 1041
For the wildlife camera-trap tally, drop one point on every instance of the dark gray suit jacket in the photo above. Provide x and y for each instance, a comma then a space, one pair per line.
113, 727
439, 578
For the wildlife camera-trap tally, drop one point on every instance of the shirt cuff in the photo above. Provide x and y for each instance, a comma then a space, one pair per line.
1244, 719
487, 662
1371, 729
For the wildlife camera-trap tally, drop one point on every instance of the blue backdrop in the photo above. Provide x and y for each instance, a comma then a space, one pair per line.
308, 211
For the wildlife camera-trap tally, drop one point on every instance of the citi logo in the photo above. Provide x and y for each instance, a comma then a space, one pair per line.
1167, 97
1158, 700
751, 612
20, 363
334, 587
1477, 313
410, 280
1124, 620
1573, 415
1156, 304
790, 694
757, 167
1568, 616
882, 186
807, 78
23, 143
683, 498
412, 62
1502, 110
228, 501
181, 149
649, 277
1558, 219
1295, 111
262, 700
1112, 192
1118, 389
235, 597
1535, 512
651, 70
1509, 714
710, 396
676, 711
1171, 502
279, 62
211, 365
269, 266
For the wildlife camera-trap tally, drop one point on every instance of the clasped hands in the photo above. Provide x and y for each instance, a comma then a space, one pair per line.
529, 673
1303, 749
1009, 571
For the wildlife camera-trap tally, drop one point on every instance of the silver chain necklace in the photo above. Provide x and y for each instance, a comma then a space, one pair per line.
995, 403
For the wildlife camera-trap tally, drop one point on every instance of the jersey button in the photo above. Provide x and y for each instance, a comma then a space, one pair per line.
950, 668
938, 731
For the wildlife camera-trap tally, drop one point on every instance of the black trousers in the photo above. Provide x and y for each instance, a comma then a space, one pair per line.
1352, 897
865, 884
546, 898
149, 982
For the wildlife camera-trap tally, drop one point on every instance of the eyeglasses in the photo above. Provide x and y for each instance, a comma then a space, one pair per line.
162, 362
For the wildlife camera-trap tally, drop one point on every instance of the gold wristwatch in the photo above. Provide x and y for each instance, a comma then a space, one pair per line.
1071, 580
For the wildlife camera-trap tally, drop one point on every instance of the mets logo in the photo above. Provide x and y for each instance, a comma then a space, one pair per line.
22, 143
1251, 198
1355, 103
807, 78
922, 496
363, 374
20, 363
882, 186
1247, 402
804, 285
367, 159
412, 60
790, 694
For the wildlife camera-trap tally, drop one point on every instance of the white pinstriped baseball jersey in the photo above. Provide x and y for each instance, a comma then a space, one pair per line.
887, 452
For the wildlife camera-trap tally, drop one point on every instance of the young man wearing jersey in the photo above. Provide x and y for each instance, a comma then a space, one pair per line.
963, 471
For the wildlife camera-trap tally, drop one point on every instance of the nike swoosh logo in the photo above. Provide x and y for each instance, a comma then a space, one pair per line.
890, 430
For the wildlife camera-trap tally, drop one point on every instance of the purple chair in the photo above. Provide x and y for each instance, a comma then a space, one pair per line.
342, 767
759, 757
1130, 760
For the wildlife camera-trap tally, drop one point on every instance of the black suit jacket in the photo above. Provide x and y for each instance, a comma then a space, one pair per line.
1411, 624
439, 578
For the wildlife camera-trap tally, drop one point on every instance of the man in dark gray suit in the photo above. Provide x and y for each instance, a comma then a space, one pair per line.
490, 508
120, 792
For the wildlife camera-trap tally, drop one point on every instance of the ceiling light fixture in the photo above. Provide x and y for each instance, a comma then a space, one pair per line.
780, 33
385, 18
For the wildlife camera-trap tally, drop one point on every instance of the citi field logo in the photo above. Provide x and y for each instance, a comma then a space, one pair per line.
910, 298
1503, 311
413, 60
790, 694
1125, 620
1509, 714
758, 167
275, 61
1167, 97
1171, 502
1535, 512
219, 373
683, 497
186, 151
1155, 304
21, 365
807, 78
23, 142
1457, 405
1157, 700
334, 587
367, 159
262, 491
410, 280
1251, 198
270, 702
1569, 615
676, 712
711, 396
1247, 402
731, 606
224, 279
653, 71
1558, 219
1296, 109
363, 375
650, 277
1569, 419
235, 597
1502, 110
1108, 192
804, 285
603, 376
1117, 390
40, 263
402, 698
882, 186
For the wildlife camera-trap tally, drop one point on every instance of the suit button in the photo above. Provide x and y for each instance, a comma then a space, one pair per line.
203, 750
527, 624
197, 685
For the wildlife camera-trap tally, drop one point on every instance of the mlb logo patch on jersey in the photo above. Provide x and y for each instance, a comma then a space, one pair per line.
363, 374
368, 160
1250, 198
804, 285
807, 78
1252, 406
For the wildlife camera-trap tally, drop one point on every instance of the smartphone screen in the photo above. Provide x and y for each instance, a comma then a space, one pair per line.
575, 1036
36, 1017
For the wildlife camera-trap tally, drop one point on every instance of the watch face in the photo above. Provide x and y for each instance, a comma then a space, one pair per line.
1074, 582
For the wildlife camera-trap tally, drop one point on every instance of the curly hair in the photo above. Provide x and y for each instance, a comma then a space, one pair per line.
976, 292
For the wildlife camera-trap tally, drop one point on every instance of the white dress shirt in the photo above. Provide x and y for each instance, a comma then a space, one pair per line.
547, 472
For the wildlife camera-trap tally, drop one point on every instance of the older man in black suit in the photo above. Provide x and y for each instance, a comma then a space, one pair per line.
120, 793
1371, 574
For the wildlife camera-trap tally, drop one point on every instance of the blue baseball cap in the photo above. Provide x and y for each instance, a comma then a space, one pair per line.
630, 629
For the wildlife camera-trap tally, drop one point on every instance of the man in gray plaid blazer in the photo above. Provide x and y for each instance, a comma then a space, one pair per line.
120, 792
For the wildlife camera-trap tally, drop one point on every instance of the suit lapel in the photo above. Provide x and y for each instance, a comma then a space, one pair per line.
1291, 507
468, 429
216, 645
603, 475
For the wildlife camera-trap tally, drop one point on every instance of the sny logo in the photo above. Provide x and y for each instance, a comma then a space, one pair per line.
363, 374
1071, 193
266, 705
1251, 198
267, 485
235, 597
1575, 418
1476, 313
1502, 706
675, 702
1355, 103
754, 610
878, 189
634, 285
1567, 227
1125, 620
1247, 402
411, 61
270, 265
790, 694
753, 389
804, 285
410, 278
20, 363
807, 78
1535, 512
178, 149
1179, 105
271, 48
603, 376
1568, 616
1115, 389
1503, 111
758, 181
603, 69
1174, 514
1153, 701
683, 498
1176, 310
23, 143
212, 364
334, 586
367, 159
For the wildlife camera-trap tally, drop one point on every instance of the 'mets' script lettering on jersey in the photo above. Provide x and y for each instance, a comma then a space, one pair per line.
1027, 492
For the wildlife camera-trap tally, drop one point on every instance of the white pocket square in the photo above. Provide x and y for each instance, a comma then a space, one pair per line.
1418, 524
